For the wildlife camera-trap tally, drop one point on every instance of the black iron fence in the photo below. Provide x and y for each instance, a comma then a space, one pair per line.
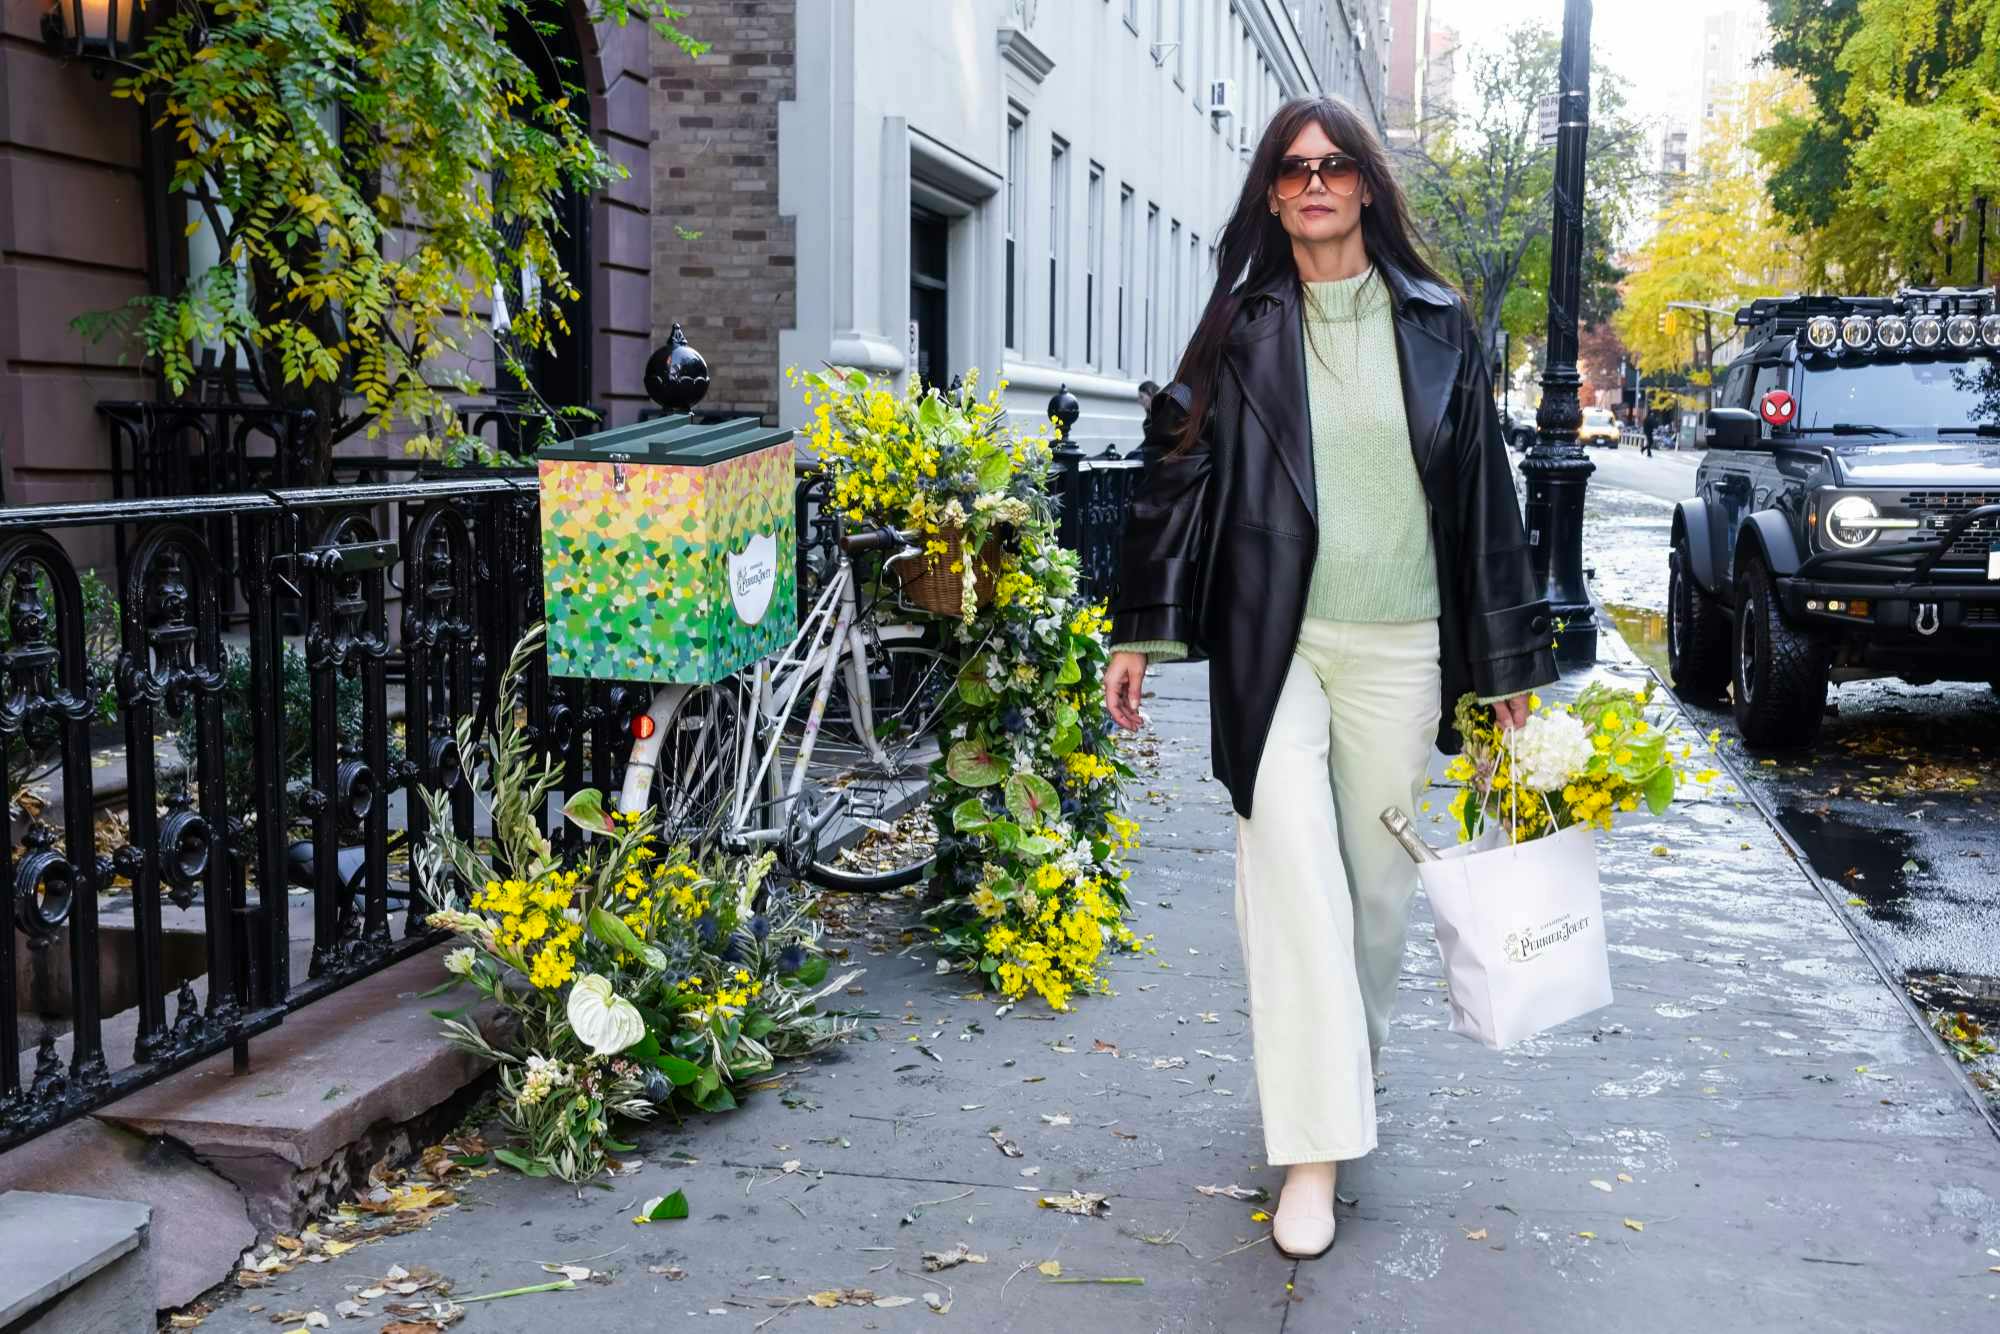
287, 670
212, 765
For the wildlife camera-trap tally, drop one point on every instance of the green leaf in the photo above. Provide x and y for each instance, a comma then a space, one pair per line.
663, 1208
1071, 672
679, 1073
440, 988
586, 811
993, 470
1006, 835
521, 1163
970, 816
1066, 739
813, 971
971, 764
1030, 797
470, 1159
1034, 846
1659, 790
718, 1099
757, 1025
611, 929
972, 687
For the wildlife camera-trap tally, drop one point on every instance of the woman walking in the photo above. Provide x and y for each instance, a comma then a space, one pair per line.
1327, 519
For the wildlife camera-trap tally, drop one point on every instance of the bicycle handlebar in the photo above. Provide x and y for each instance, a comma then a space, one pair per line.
878, 539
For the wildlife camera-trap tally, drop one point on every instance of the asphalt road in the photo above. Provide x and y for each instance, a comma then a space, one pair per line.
1896, 805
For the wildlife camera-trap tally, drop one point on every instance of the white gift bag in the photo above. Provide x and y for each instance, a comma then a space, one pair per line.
1521, 930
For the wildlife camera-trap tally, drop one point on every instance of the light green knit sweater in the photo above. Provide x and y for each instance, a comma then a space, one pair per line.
1375, 561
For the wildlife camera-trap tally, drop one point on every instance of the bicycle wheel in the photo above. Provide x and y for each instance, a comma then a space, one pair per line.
695, 775
883, 837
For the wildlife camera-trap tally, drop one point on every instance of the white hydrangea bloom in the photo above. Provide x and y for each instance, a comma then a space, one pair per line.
1549, 749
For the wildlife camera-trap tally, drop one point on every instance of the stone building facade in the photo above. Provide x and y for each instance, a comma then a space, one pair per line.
86, 223
1026, 187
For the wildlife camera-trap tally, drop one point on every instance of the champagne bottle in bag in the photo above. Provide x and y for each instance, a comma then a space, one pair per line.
1400, 829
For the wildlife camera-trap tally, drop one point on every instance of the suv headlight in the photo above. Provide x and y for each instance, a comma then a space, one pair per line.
1847, 522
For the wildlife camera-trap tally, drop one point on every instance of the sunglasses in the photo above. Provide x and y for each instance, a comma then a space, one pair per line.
1337, 172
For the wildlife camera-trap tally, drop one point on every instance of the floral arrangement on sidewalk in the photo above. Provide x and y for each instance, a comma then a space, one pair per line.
945, 464
634, 977
1583, 762
1027, 790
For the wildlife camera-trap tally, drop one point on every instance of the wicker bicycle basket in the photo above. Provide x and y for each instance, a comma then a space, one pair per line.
930, 582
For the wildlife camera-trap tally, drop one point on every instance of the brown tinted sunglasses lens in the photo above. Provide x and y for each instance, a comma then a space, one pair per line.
1338, 174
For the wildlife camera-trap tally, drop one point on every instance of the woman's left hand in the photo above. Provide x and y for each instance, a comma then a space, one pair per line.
1511, 712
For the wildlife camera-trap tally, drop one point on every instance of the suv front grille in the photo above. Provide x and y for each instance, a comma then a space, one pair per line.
1941, 507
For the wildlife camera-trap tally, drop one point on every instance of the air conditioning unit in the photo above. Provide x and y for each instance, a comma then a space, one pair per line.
1222, 97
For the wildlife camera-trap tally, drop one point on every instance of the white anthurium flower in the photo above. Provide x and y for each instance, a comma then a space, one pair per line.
604, 1021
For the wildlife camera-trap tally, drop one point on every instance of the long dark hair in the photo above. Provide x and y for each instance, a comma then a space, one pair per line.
1255, 248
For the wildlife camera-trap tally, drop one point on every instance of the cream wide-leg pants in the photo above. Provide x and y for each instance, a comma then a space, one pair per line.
1322, 890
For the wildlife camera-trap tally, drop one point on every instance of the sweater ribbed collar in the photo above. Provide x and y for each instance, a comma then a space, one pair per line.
1345, 300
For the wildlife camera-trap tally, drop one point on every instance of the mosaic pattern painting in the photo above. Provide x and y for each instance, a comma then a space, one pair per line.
654, 582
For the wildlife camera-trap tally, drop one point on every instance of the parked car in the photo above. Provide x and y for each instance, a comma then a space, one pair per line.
1518, 430
1599, 428
1846, 521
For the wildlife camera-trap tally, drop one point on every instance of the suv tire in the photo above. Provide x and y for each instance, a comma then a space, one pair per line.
1780, 671
1698, 637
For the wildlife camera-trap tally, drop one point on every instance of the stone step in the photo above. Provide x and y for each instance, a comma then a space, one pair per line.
75, 1265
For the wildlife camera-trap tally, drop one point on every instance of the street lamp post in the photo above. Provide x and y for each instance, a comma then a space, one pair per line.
1556, 470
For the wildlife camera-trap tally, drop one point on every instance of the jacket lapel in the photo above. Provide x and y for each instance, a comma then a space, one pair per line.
1268, 359
1429, 366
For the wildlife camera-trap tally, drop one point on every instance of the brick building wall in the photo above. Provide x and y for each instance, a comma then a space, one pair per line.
715, 171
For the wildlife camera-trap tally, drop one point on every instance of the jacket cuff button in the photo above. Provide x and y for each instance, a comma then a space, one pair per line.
1538, 624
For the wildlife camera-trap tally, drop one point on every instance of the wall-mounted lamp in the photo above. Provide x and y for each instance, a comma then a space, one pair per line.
92, 29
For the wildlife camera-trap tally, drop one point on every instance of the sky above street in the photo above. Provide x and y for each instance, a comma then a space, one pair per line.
1654, 45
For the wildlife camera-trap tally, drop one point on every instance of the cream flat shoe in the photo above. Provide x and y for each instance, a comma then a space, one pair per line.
1302, 1228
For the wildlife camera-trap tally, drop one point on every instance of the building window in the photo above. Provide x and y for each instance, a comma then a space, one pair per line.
1093, 266
1017, 148
1180, 42
1152, 284
1128, 260
1058, 241
1132, 15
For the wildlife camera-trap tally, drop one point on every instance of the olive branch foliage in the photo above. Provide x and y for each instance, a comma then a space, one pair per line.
372, 172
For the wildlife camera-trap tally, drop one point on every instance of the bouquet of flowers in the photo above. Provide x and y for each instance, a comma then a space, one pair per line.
1580, 763
633, 976
944, 463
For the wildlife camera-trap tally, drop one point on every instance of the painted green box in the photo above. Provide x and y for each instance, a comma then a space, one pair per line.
667, 550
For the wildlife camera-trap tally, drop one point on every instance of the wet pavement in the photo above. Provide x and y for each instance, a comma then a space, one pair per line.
1755, 1135
1895, 807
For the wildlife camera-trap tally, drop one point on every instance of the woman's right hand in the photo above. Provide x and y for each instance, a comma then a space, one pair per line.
1123, 677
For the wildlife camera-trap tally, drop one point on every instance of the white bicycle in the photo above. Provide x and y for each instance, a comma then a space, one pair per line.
736, 764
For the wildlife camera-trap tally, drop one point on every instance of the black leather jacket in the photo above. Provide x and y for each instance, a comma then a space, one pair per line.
1219, 544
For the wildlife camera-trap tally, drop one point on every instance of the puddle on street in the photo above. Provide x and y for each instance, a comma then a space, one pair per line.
1646, 631
1865, 863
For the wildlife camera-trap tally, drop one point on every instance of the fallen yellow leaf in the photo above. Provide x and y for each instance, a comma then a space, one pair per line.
1588, 1236
1625, 1177
1477, 1234
1259, 1216
1050, 1268
339, 1247
827, 1300
1635, 1225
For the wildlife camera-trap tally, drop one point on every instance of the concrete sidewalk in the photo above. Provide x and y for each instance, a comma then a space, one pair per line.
1796, 1152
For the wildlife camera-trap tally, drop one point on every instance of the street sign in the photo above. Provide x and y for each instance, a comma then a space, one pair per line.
1548, 115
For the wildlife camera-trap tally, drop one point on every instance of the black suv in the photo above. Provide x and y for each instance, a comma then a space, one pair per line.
1846, 521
